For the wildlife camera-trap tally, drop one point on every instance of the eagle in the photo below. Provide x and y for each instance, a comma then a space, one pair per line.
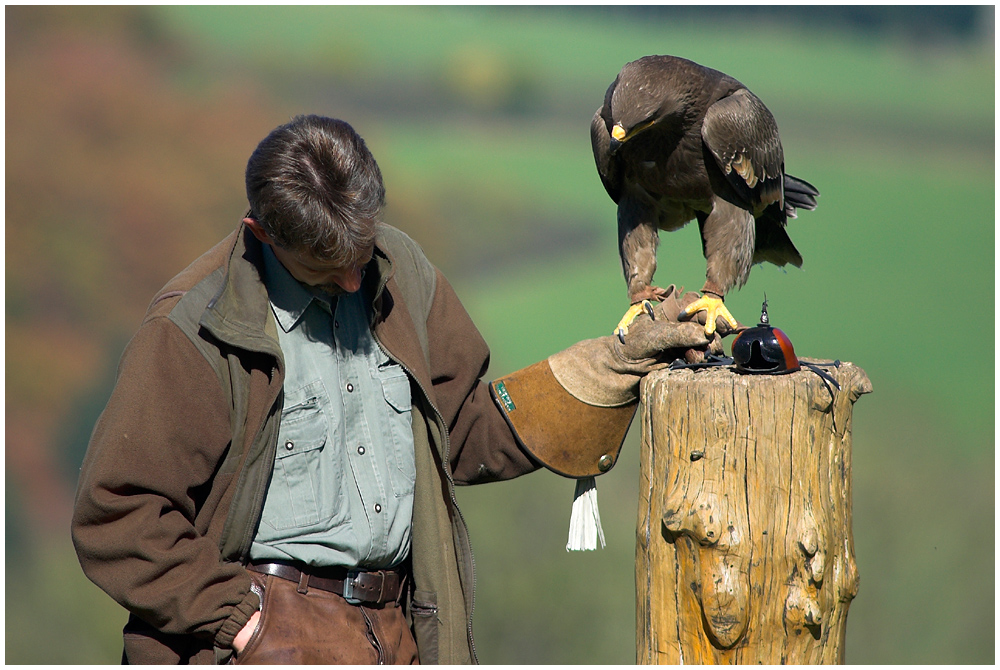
676, 141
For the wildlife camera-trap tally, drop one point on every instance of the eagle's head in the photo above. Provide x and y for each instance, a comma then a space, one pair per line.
639, 99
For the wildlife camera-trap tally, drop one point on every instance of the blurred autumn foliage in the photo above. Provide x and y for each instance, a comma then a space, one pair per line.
87, 108
124, 163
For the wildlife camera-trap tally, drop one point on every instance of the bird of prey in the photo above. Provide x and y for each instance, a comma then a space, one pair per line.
676, 141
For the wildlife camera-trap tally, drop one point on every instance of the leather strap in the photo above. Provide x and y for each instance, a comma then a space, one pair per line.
380, 587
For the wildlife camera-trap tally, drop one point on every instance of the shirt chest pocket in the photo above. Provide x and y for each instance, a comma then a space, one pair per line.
396, 391
306, 489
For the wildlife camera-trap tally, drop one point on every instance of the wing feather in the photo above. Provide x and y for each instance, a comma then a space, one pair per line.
743, 137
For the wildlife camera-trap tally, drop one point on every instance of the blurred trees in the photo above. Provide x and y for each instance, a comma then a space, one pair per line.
122, 167
116, 179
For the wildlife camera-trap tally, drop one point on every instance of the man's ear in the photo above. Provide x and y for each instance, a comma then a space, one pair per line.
258, 230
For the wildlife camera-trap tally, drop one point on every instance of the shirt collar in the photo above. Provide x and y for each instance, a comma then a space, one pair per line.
289, 297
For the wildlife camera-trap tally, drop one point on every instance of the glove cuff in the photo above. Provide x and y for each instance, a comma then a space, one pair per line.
566, 435
595, 372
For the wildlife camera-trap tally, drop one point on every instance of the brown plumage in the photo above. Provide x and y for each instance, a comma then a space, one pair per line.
676, 141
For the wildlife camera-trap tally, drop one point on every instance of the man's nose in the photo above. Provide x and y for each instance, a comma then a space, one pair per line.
350, 280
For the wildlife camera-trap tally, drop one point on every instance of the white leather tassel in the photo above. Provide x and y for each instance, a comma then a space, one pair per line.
585, 522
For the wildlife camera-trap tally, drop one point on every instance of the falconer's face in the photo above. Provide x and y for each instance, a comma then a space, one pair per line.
326, 276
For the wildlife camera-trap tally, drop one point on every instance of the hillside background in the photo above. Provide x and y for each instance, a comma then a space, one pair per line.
127, 132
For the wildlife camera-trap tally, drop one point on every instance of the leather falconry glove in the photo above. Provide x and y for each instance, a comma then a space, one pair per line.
572, 411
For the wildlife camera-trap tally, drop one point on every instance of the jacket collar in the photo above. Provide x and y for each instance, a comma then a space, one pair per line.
378, 272
240, 315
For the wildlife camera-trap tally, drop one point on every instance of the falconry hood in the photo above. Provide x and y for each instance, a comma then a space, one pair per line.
764, 350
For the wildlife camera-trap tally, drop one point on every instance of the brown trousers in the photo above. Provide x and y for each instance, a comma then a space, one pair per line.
316, 626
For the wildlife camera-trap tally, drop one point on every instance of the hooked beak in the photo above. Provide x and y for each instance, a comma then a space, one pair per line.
618, 135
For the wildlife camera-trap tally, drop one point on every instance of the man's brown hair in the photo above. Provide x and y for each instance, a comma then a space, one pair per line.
314, 186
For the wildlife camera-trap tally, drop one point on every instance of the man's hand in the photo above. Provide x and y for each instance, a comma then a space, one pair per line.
241, 639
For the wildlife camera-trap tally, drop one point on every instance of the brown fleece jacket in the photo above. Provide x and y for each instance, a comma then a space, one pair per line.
172, 485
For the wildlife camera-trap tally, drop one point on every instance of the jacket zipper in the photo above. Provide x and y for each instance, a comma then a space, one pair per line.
447, 470
258, 499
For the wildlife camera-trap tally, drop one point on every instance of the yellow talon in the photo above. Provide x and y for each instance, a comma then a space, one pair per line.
714, 308
635, 310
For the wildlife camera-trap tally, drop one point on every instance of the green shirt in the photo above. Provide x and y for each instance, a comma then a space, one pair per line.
342, 489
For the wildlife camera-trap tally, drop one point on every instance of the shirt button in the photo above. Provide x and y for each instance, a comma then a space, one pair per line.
350, 388
336, 324
289, 445
378, 508
361, 450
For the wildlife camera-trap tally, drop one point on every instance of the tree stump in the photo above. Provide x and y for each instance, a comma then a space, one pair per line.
744, 549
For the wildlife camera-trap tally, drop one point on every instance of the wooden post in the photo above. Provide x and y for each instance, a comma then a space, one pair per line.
744, 550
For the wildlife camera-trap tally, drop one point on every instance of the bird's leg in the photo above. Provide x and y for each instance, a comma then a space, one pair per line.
727, 238
710, 302
637, 240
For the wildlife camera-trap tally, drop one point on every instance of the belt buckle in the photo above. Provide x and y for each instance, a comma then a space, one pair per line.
349, 587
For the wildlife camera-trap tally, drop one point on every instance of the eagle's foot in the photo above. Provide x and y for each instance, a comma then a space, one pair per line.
635, 310
714, 308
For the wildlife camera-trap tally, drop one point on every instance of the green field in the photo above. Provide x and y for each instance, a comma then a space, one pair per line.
479, 118
575, 57
890, 136
888, 133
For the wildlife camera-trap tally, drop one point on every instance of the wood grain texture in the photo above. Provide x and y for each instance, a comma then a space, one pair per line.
744, 550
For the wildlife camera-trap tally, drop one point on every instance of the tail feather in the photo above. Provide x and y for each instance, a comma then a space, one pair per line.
773, 245
799, 194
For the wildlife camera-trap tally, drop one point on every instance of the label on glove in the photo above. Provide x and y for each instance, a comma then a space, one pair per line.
504, 396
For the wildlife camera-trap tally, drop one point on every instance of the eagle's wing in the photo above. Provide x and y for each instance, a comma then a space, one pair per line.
743, 137
607, 168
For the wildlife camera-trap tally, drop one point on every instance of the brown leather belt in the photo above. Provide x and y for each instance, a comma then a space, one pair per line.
380, 587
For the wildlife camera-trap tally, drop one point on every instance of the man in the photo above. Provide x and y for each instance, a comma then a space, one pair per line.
272, 480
